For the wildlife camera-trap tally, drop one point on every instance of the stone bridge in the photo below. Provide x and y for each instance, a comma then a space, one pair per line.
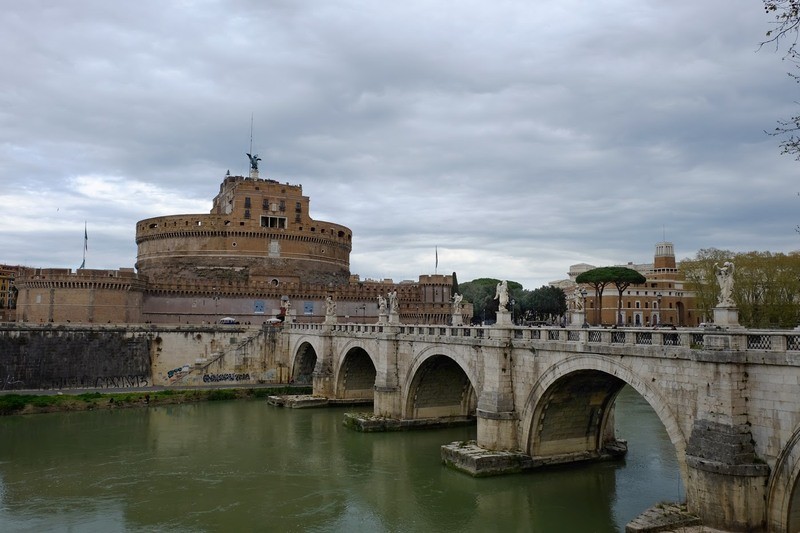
729, 400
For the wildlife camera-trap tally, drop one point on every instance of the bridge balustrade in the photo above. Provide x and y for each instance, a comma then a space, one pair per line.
759, 342
766, 341
697, 340
793, 342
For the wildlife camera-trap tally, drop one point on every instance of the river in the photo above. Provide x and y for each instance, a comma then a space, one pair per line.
249, 466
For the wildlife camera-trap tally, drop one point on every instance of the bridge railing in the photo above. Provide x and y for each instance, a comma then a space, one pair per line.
740, 339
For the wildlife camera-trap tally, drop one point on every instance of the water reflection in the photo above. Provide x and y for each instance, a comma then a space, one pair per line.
250, 466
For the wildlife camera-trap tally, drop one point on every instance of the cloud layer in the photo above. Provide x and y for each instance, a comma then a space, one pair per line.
518, 137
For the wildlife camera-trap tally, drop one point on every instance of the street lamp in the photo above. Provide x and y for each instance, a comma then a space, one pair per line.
583, 294
658, 315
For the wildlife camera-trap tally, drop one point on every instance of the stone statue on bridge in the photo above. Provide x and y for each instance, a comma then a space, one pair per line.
501, 294
381, 305
724, 275
577, 299
393, 305
330, 307
457, 303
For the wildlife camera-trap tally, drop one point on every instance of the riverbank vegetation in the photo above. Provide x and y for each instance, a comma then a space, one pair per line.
11, 404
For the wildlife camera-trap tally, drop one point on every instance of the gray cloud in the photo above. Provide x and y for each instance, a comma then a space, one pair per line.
517, 137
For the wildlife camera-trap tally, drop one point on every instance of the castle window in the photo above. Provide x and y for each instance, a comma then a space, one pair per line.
298, 207
282, 206
273, 222
297, 217
265, 204
247, 202
246, 213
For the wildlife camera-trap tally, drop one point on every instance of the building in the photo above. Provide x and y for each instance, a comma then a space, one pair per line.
257, 255
664, 299
8, 292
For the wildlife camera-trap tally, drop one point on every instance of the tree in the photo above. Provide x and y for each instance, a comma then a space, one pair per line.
481, 293
621, 277
454, 291
766, 286
699, 274
597, 279
787, 22
546, 302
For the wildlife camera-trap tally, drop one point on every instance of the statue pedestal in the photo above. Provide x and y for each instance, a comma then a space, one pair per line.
330, 319
383, 319
289, 318
457, 320
503, 318
578, 318
726, 317
394, 318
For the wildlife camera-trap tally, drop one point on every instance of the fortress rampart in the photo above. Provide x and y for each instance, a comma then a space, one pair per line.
60, 295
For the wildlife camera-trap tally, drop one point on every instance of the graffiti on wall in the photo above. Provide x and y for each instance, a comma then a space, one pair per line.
177, 373
10, 383
104, 382
214, 378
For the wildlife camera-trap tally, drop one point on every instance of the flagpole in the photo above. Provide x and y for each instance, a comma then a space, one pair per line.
85, 245
436, 268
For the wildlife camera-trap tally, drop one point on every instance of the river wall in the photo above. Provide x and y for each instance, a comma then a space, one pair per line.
138, 356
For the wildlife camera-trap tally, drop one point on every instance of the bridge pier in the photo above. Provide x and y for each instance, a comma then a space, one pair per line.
323, 370
727, 481
388, 397
497, 418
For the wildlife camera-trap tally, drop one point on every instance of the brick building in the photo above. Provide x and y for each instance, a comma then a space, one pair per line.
664, 299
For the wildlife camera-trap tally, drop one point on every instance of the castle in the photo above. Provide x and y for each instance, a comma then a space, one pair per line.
257, 255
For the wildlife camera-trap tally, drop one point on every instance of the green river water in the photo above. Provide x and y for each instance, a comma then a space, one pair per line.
249, 466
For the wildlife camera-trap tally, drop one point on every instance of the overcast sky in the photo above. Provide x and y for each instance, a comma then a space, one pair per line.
519, 137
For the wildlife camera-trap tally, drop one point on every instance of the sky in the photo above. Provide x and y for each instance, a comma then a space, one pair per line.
511, 138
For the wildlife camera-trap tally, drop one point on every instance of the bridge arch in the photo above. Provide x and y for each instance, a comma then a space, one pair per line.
303, 363
582, 389
440, 385
355, 377
783, 491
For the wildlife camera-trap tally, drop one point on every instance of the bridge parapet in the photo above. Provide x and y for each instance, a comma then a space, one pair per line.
740, 340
